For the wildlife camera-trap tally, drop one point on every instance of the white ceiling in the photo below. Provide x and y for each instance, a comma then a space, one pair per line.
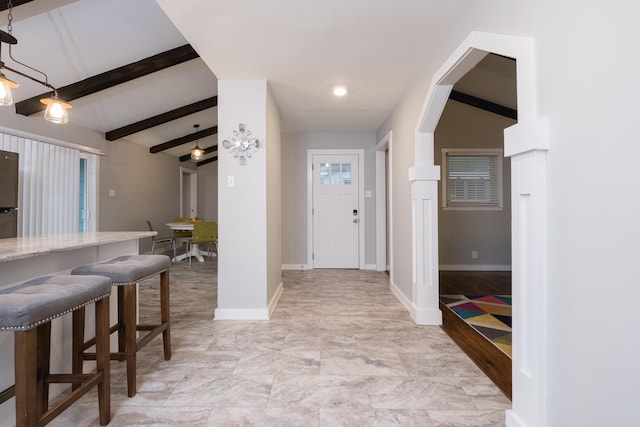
303, 48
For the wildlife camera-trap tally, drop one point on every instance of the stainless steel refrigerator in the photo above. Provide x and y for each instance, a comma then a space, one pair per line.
8, 194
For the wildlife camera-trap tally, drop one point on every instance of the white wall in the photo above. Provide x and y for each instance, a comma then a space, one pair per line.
586, 70
294, 189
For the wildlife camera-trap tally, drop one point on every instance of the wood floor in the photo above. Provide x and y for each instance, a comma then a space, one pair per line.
493, 362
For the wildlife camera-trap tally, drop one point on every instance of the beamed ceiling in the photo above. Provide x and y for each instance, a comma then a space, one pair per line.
127, 71
132, 75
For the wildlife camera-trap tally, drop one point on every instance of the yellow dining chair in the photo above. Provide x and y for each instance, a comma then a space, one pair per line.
205, 232
159, 240
181, 235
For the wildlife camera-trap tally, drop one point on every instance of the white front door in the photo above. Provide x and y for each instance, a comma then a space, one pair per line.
336, 219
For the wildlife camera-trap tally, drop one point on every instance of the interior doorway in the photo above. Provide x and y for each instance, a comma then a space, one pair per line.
474, 215
526, 144
188, 192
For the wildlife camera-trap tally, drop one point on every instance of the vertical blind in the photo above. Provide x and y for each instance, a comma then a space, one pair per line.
48, 197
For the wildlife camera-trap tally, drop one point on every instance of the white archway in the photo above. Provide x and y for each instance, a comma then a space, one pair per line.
526, 143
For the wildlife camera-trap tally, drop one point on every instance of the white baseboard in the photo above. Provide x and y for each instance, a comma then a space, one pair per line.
420, 317
296, 267
241, 314
430, 317
403, 300
372, 267
276, 297
512, 420
474, 267
250, 313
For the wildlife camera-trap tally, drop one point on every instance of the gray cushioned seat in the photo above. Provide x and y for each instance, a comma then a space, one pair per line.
127, 269
29, 304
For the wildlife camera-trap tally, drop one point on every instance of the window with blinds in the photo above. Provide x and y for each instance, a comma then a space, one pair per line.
472, 179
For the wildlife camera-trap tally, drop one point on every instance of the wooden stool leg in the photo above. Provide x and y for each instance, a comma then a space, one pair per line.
164, 313
78, 342
130, 326
44, 356
103, 360
26, 363
121, 323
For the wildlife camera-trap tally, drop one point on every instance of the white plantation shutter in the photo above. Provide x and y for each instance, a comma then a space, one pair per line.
472, 179
49, 183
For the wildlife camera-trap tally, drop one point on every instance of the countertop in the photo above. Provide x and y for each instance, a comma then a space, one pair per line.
26, 247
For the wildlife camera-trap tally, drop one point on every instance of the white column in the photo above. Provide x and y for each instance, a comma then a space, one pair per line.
527, 143
242, 204
424, 205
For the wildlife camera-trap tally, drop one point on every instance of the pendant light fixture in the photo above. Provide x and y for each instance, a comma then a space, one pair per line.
56, 111
196, 152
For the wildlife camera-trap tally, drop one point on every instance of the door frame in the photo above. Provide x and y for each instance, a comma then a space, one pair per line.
361, 210
193, 189
383, 181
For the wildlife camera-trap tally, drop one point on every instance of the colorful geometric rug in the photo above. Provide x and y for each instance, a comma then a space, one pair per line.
490, 315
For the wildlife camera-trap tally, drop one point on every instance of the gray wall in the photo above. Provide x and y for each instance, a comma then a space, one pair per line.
147, 186
274, 198
462, 231
208, 191
294, 189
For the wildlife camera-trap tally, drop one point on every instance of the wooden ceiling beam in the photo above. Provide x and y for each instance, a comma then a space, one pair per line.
15, 3
204, 162
206, 151
111, 78
483, 104
183, 140
161, 118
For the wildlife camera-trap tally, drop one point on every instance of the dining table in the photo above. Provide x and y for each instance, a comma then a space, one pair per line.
194, 249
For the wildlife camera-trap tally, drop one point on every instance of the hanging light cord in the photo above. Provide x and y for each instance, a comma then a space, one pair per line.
46, 79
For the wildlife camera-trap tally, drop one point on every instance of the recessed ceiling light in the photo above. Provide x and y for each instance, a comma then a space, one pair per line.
339, 90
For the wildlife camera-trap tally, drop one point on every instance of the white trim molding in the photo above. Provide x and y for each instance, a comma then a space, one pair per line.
274, 300
382, 148
526, 143
241, 314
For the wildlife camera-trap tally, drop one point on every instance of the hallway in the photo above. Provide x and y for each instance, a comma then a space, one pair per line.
340, 350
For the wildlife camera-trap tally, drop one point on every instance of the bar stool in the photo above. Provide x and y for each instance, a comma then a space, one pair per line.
27, 309
125, 272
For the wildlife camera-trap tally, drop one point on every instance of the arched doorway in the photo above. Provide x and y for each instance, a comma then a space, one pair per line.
526, 144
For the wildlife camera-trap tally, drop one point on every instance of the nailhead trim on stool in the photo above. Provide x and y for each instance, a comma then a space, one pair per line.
27, 309
125, 272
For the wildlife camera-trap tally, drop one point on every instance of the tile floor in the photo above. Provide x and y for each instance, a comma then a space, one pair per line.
340, 350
